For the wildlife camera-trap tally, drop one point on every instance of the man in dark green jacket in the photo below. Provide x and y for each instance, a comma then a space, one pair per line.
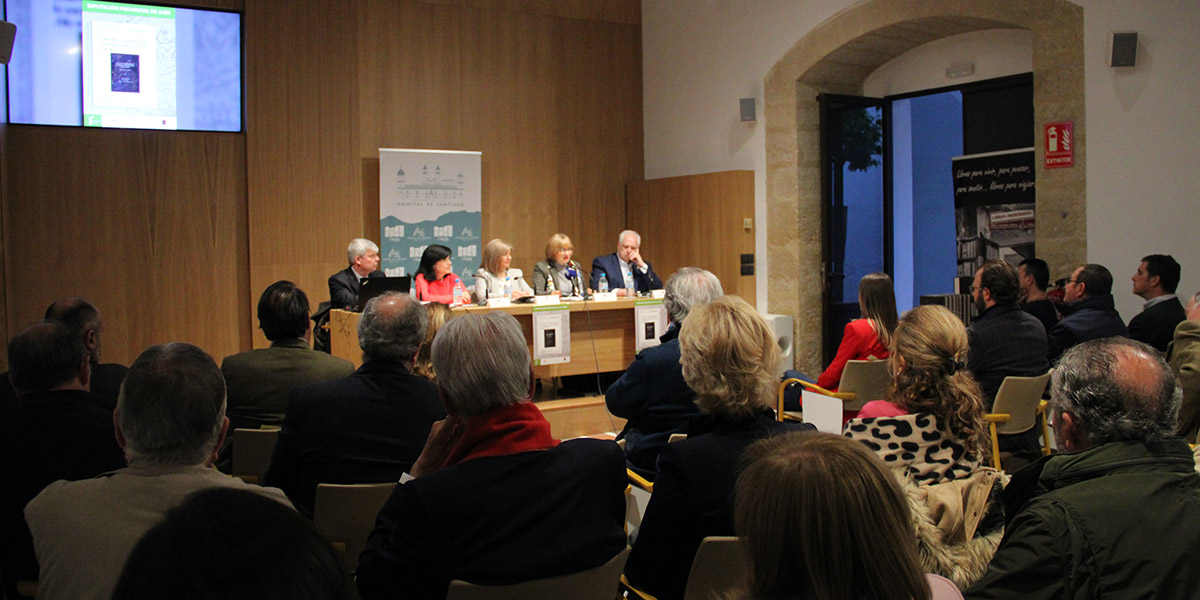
1118, 514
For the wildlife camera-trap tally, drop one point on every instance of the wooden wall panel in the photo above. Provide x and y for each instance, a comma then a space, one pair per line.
696, 221
304, 174
146, 225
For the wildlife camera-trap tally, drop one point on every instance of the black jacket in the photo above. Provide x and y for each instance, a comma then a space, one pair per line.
1004, 341
1156, 325
1090, 318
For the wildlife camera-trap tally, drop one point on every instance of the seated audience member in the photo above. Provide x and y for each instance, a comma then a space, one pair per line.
495, 278
1184, 358
558, 274
368, 427
259, 380
652, 395
822, 517
625, 269
1004, 340
1118, 514
436, 281
225, 544
345, 285
863, 338
438, 315
494, 498
1155, 281
59, 430
1088, 311
729, 356
170, 420
930, 430
1034, 275
84, 320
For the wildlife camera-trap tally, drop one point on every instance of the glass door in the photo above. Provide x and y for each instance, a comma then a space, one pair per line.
856, 216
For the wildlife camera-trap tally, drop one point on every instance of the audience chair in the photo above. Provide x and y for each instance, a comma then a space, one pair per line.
599, 583
345, 515
1018, 408
720, 563
862, 382
252, 449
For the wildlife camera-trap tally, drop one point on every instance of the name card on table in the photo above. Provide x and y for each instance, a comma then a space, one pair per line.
604, 297
499, 302
547, 299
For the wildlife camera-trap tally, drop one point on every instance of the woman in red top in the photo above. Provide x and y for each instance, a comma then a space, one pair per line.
869, 336
436, 281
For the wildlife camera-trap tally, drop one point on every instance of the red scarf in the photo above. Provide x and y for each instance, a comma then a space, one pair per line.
500, 431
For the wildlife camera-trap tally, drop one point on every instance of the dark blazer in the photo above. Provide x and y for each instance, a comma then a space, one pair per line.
105, 386
366, 428
63, 434
693, 498
655, 400
498, 520
1044, 311
1089, 318
344, 288
1004, 341
258, 383
1156, 325
610, 265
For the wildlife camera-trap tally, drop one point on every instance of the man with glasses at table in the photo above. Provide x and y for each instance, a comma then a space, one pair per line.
1088, 311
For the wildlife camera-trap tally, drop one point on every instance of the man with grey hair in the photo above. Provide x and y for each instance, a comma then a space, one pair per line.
652, 395
625, 269
367, 427
1118, 514
170, 421
493, 499
344, 286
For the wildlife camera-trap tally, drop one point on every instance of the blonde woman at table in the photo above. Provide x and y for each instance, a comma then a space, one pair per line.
552, 276
495, 278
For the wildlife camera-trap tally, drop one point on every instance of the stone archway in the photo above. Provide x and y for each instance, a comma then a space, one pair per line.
836, 57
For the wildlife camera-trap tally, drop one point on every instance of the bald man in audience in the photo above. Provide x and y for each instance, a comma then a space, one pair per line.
1117, 515
170, 421
370, 426
83, 319
1088, 311
59, 430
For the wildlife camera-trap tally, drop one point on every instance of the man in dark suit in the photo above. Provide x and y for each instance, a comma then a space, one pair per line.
625, 268
652, 395
368, 427
1088, 311
258, 381
344, 286
82, 318
494, 499
1004, 340
1155, 281
59, 430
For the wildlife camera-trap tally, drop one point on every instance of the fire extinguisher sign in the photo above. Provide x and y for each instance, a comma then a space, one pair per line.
1060, 145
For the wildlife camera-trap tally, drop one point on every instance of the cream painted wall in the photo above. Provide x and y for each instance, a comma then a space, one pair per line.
700, 56
993, 53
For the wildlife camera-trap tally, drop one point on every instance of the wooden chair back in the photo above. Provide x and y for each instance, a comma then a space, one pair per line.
345, 514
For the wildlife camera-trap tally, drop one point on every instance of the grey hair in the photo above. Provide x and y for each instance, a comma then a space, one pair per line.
392, 327
171, 406
1196, 297
1105, 386
636, 235
482, 363
688, 288
359, 247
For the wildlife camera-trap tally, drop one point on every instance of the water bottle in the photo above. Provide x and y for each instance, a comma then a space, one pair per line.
550, 284
458, 300
602, 285
508, 286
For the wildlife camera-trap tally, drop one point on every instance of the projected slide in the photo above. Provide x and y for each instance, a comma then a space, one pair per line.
128, 66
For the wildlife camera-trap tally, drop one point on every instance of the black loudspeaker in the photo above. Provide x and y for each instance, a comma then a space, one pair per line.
747, 109
1123, 49
8, 31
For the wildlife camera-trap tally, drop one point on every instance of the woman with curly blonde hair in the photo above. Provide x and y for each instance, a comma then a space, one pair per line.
729, 356
438, 315
930, 430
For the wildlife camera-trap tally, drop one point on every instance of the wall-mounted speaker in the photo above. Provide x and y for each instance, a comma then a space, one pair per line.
1122, 49
8, 31
747, 109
